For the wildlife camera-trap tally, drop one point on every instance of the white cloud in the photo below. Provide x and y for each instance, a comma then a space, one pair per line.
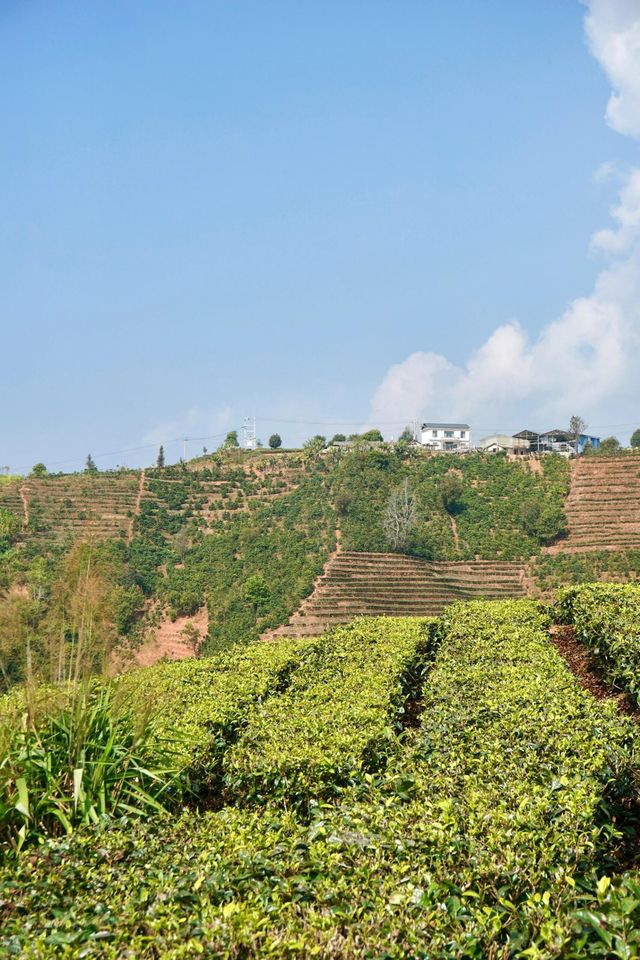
586, 360
613, 32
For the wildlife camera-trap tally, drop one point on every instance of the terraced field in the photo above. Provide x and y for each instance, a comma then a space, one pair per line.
56, 508
603, 506
386, 584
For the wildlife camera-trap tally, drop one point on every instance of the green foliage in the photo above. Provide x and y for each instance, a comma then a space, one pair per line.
451, 488
488, 502
10, 528
206, 702
283, 541
275, 441
160, 460
231, 440
609, 446
257, 593
606, 617
339, 717
373, 436
90, 466
635, 439
39, 470
76, 763
543, 520
555, 570
483, 836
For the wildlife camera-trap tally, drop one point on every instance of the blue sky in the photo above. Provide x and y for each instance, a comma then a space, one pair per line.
214, 209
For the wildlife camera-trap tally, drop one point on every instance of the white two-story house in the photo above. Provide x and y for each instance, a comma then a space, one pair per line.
454, 437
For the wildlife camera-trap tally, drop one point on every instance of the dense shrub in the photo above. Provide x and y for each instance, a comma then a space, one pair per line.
485, 494
339, 716
481, 838
606, 617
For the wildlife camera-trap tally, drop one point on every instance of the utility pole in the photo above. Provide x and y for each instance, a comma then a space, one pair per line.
249, 433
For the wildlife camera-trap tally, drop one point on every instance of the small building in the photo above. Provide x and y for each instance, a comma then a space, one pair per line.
503, 443
585, 439
532, 438
558, 441
446, 437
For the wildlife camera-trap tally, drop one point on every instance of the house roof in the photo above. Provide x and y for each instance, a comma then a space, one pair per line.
526, 435
502, 439
445, 426
559, 434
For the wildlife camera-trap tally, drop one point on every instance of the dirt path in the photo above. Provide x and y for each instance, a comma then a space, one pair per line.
454, 530
583, 665
136, 507
25, 503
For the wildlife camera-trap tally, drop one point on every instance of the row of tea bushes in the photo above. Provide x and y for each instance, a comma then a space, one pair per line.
339, 716
480, 839
606, 617
199, 706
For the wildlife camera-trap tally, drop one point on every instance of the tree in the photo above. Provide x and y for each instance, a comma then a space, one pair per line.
543, 520
314, 447
451, 489
39, 470
257, 593
9, 529
337, 438
609, 445
407, 434
275, 441
373, 436
231, 440
160, 460
577, 427
90, 466
400, 516
635, 439
192, 636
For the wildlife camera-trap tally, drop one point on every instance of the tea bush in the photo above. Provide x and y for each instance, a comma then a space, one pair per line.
339, 717
484, 836
606, 617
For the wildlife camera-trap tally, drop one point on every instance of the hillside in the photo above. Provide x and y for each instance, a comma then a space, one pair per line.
234, 546
383, 584
603, 506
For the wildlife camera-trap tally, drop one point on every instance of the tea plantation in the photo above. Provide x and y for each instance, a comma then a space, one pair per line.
396, 788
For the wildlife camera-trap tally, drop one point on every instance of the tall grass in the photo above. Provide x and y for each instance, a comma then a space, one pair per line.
77, 759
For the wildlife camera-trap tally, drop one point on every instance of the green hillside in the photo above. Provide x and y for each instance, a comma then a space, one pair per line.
247, 534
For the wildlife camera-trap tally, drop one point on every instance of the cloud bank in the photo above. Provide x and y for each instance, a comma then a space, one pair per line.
587, 358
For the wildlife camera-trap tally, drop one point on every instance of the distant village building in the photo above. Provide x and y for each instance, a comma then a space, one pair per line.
503, 443
557, 441
452, 437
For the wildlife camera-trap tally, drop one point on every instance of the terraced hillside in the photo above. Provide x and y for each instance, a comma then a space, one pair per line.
386, 584
603, 506
74, 505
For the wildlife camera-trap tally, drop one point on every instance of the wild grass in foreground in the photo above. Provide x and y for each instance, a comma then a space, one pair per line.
80, 757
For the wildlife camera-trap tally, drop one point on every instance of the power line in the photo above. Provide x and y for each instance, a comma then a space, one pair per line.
146, 446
